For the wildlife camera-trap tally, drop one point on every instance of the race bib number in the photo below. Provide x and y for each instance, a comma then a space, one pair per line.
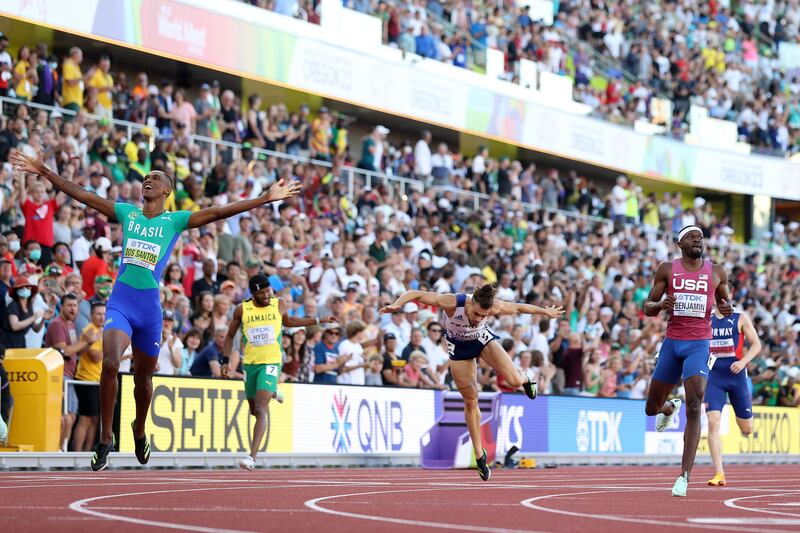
451, 348
485, 336
142, 254
711, 360
261, 335
690, 304
271, 370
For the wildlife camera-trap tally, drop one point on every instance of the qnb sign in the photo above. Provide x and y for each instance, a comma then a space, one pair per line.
598, 431
23, 376
379, 426
772, 433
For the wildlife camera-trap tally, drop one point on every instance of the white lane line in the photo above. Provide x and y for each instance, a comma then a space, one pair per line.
792, 504
314, 504
732, 503
755, 521
80, 507
616, 518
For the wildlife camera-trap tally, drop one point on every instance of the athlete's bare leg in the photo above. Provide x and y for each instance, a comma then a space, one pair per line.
714, 441
695, 388
258, 408
657, 398
144, 366
466, 377
115, 342
497, 358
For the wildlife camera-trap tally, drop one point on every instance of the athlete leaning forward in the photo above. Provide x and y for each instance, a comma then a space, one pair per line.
468, 337
261, 319
691, 284
133, 315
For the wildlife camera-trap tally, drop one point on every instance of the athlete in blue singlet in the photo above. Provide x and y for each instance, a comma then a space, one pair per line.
468, 337
134, 308
728, 379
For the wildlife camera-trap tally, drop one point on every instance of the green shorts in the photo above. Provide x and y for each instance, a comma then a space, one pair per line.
260, 377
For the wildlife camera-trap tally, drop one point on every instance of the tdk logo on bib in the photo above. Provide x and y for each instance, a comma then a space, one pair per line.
598, 431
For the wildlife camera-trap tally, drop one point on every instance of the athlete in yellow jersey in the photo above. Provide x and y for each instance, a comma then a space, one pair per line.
261, 319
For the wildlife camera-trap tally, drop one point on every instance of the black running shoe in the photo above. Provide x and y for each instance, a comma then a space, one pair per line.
142, 447
483, 468
100, 459
530, 389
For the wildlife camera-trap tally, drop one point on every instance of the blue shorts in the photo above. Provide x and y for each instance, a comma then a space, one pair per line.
465, 350
723, 384
685, 359
137, 313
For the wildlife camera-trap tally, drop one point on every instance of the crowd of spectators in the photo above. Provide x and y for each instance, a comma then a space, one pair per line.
346, 253
622, 53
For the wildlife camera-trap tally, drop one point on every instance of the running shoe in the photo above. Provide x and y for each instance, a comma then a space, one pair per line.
717, 481
142, 447
663, 421
247, 463
530, 387
279, 396
100, 459
483, 469
681, 485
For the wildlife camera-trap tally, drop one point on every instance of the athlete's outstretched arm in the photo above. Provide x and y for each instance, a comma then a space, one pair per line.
510, 308
298, 322
35, 165
654, 304
279, 190
751, 335
427, 298
227, 346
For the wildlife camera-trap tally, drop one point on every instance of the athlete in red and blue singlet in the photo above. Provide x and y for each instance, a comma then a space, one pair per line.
691, 285
728, 379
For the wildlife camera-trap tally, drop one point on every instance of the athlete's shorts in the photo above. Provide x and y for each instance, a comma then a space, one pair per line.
88, 399
723, 383
137, 313
466, 350
682, 358
260, 377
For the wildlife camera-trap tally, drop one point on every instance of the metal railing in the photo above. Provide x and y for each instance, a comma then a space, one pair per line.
357, 179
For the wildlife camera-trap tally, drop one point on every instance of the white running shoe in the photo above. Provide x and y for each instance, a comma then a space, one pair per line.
247, 463
279, 396
663, 421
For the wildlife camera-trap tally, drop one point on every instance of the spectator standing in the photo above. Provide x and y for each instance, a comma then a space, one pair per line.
39, 211
422, 156
352, 373
97, 265
572, 363
89, 368
372, 149
321, 135
74, 81
102, 82
442, 166
204, 110
6, 64
20, 316
619, 201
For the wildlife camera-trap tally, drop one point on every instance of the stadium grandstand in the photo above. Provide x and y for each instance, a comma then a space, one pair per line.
558, 151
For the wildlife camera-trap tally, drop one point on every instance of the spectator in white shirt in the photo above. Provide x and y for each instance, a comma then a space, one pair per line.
400, 328
442, 165
170, 355
619, 200
352, 373
434, 346
422, 156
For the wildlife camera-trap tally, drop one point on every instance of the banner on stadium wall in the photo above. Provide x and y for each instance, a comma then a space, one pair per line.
591, 425
776, 430
523, 424
336, 419
236, 38
203, 415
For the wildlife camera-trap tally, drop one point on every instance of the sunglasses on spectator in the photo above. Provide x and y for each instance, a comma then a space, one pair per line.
334, 333
435, 330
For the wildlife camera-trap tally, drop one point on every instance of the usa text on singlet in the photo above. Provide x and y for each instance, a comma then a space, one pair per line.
693, 292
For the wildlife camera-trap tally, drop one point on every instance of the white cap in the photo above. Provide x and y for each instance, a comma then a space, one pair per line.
284, 263
301, 266
383, 130
410, 307
699, 202
103, 243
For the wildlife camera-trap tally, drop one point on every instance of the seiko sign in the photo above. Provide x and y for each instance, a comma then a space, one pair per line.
23, 376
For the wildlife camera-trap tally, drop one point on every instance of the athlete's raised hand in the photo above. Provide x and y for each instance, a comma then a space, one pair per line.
25, 163
553, 311
284, 189
391, 308
668, 303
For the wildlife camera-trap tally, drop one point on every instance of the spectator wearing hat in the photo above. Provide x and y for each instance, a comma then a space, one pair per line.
205, 110
89, 368
351, 302
372, 149
62, 335
20, 315
102, 290
98, 264
170, 355
352, 373
390, 371
282, 277
327, 360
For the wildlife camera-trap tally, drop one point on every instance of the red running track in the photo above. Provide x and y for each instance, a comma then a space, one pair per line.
586, 499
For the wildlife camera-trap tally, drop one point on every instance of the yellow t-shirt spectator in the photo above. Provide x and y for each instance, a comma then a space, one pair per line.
102, 80
72, 93
89, 370
23, 88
